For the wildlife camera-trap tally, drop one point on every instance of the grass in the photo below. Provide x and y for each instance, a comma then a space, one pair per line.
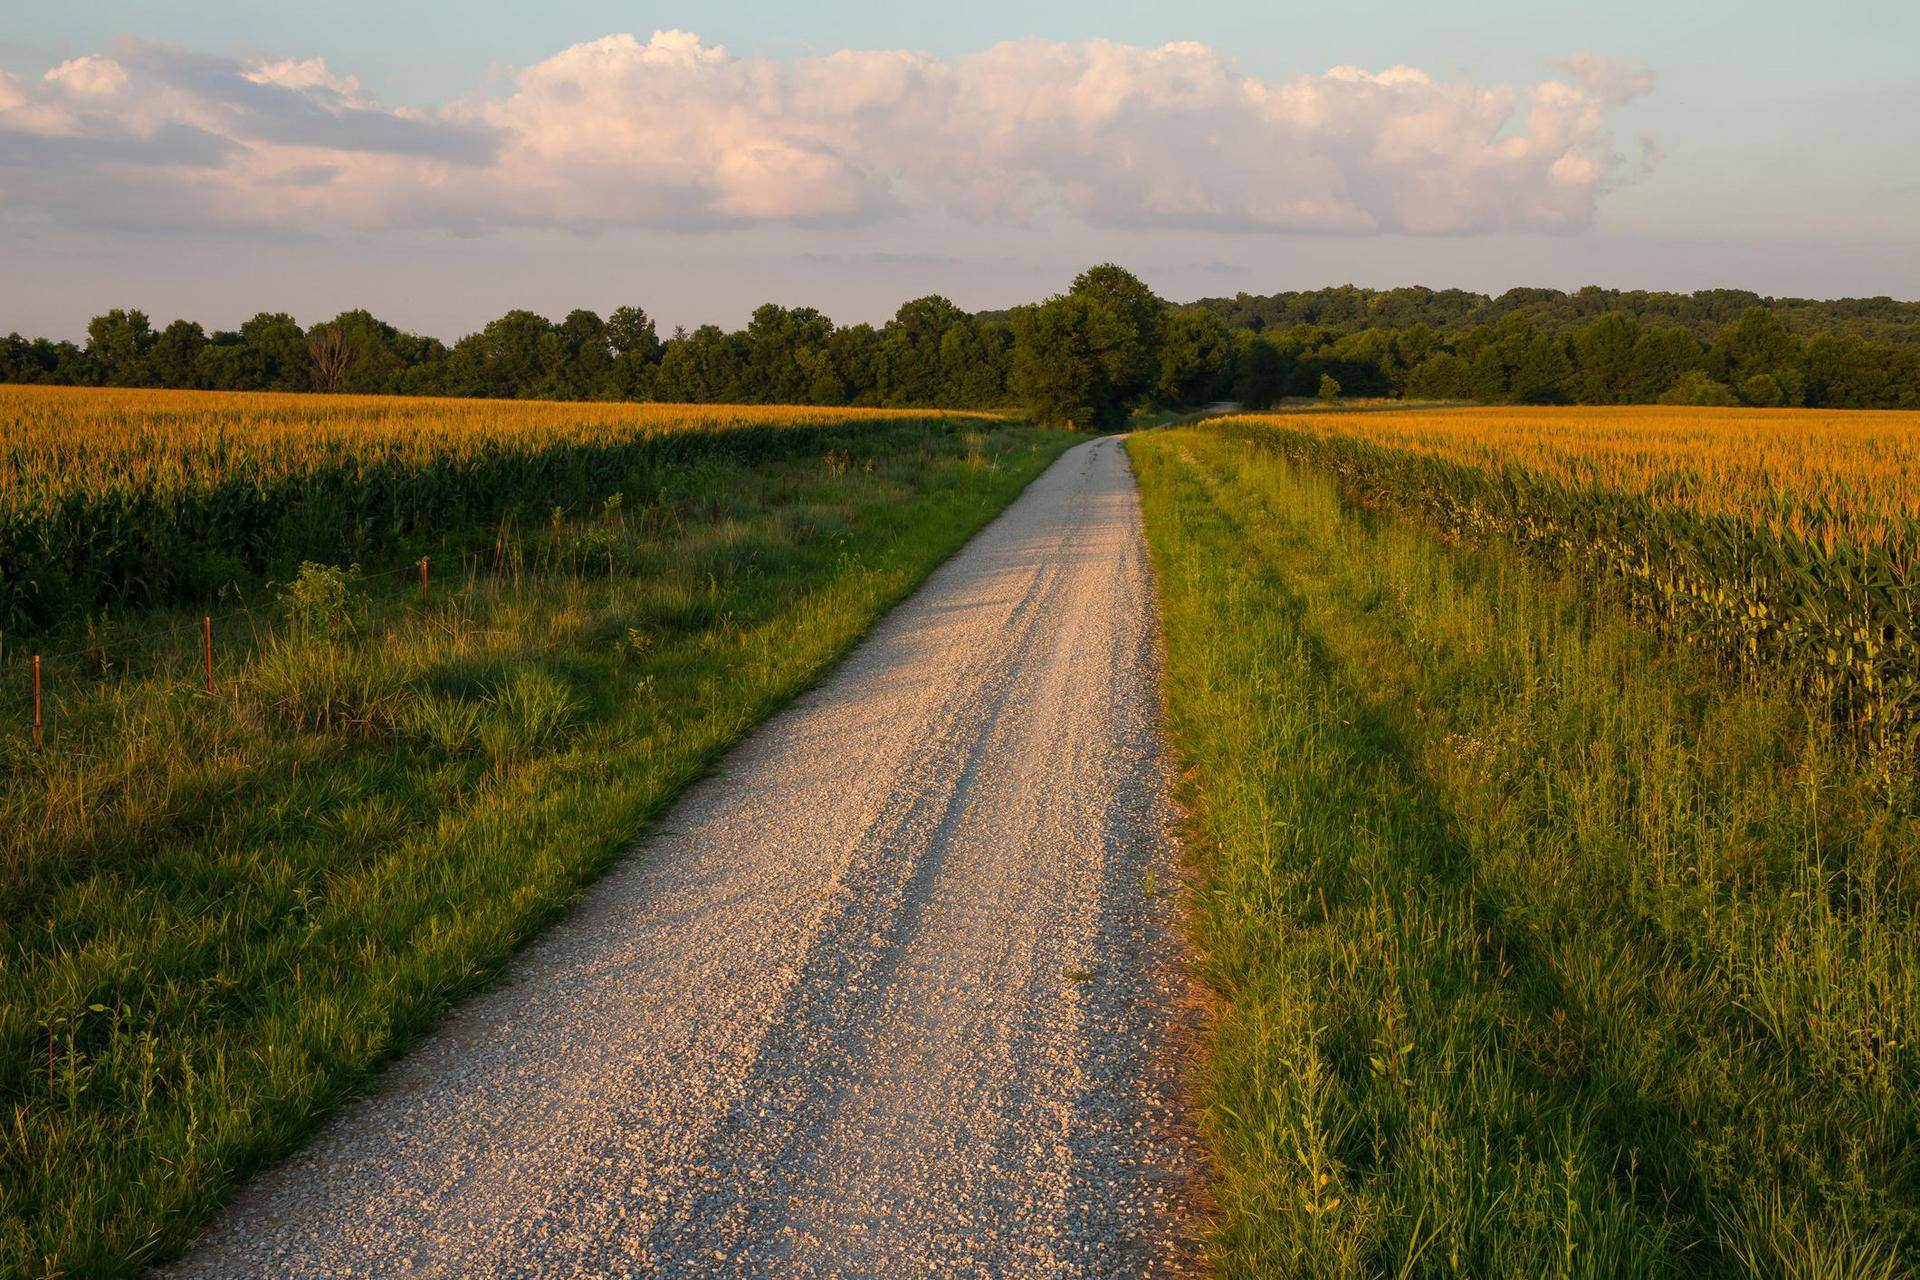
222, 914
1542, 948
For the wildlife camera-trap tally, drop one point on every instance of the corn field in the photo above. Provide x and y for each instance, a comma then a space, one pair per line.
1779, 540
123, 499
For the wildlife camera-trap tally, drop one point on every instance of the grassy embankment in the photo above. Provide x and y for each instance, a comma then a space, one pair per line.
221, 914
1544, 945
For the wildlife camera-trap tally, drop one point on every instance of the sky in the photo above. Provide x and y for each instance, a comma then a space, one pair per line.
440, 164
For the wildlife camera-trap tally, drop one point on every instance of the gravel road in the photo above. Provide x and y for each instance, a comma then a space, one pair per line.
897, 992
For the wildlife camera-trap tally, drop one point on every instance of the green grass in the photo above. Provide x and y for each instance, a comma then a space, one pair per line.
221, 915
1540, 949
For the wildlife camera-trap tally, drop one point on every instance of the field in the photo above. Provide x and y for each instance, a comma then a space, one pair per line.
1783, 542
1552, 798
222, 912
111, 500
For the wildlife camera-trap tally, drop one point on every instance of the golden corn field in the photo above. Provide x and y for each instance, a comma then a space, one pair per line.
125, 498
1777, 537
1819, 474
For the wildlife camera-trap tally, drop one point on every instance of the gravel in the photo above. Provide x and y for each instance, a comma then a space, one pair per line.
897, 992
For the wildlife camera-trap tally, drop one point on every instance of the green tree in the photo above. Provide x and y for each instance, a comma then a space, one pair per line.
913, 372
1763, 390
1260, 370
274, 354
1196, 359
1441, 376
1329, 388
1543, 374
1755, 343
578, 359
636, 353
787, 355
973, 364
1056, 373
119, 343
855, 351
1603, 351
506, 360
630, 332
175, 354
1849, 372
1698, 387
707, 366
1126, 329
1661, 357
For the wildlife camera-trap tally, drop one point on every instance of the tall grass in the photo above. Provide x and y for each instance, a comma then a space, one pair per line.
1543, 948
221, 914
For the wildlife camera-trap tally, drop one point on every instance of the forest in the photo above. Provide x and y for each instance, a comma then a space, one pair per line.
1088, 356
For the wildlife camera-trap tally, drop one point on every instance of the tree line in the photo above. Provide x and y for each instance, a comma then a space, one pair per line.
1347, 309
1088, 356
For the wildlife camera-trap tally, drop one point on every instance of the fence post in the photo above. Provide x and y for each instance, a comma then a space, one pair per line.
38, 740
209, 651
423, 583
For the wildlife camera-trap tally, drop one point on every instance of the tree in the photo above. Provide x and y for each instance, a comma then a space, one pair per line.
1260, 370
1755, 343
507, 359
636, 353
707, 366
1441, 376
855, 353
1056, 373
1697, 387
1543, 372
1329, 388
119, 342
1763, 390
176, 353
911, 367
630, 332
973, 364
1849, 372
1603, 358
275, 354
1661, 357
1126, 326
331, 351
786, 355
577, 358
1196, 359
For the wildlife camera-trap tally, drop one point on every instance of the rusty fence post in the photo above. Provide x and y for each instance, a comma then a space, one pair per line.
209, 653
38, 740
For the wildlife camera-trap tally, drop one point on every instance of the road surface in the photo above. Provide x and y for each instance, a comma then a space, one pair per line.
896, 993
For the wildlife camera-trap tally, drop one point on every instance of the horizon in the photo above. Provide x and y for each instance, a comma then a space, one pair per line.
667, 329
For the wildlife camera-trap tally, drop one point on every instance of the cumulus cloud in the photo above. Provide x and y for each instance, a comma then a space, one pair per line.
675, 133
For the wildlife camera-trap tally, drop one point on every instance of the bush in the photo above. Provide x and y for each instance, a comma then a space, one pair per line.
316, 601
1695, 387
1763, 389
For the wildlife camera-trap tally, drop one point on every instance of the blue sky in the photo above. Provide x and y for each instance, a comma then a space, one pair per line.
1772, 146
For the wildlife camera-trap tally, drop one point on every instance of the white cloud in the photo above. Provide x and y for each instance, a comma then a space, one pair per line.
674, 133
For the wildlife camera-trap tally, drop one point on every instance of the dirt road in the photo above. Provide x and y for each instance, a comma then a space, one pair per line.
890, 995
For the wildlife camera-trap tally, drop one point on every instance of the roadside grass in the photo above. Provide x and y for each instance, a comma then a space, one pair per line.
1541, 949
221, 915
